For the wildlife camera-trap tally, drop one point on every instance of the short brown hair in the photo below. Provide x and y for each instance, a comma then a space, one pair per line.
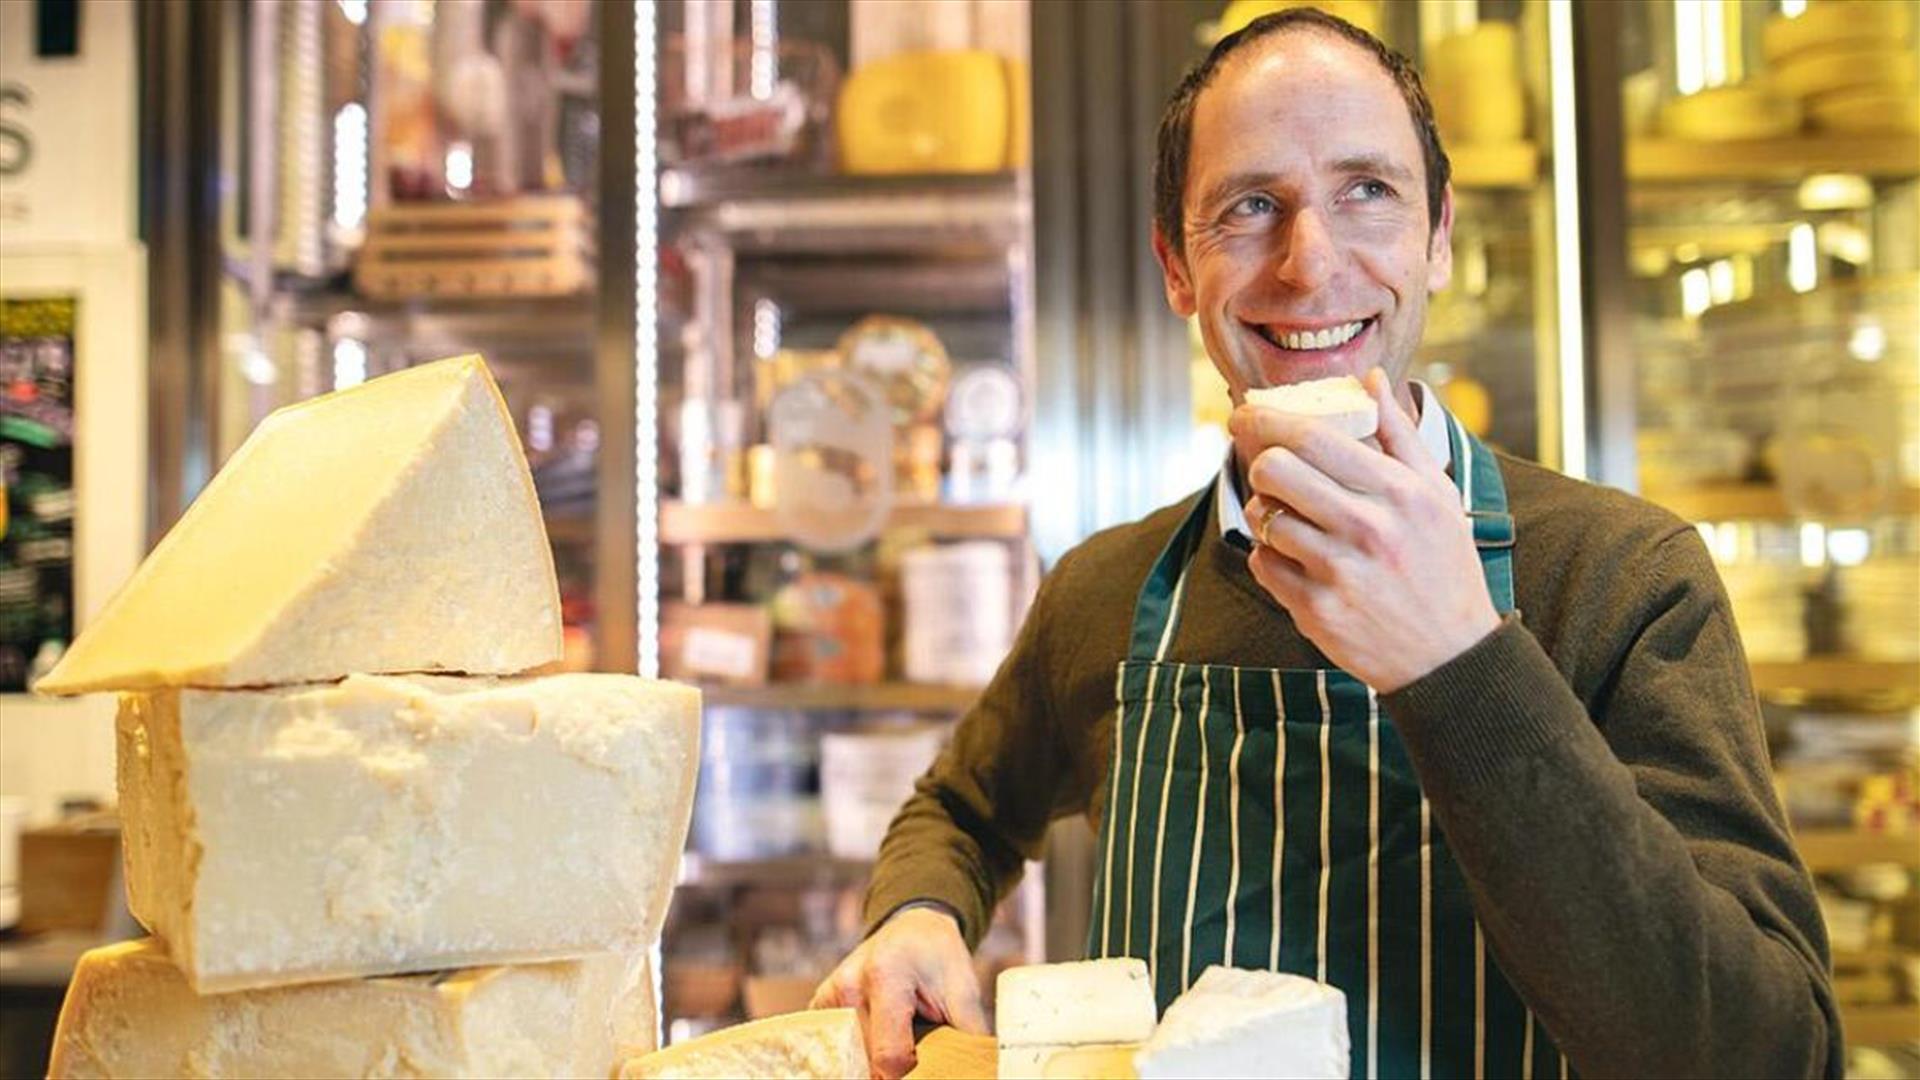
1176, 122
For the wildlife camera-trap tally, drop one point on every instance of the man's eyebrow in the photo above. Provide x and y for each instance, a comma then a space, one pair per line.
1233, 184
1374, 165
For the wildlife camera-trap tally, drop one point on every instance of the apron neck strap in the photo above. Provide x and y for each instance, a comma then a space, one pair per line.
1483, 495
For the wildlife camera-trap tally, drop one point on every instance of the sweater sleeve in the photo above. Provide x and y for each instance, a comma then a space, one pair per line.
1629, 862
983, 808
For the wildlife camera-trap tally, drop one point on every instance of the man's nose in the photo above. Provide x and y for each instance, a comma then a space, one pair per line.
1307, 252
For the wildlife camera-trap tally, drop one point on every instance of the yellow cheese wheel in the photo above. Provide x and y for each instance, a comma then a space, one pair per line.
1835, 22
1867, 111
1747, 111
1844, 67
945, 111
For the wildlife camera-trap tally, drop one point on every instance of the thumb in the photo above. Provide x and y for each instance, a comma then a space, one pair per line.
1397, 434
962, 993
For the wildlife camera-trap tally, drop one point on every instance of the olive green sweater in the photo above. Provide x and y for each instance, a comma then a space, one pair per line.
1597, 765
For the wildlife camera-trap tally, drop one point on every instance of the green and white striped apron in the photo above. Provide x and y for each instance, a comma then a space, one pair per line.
1270, 818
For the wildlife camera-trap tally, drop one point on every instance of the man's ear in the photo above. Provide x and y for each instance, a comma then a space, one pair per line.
1173, 271
1440, 246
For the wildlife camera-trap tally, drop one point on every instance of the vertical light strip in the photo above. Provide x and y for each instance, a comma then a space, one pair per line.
646, 346
1570, 326
763, 28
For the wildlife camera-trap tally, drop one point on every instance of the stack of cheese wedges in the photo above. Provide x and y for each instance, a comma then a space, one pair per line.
1094, 1020
365, 841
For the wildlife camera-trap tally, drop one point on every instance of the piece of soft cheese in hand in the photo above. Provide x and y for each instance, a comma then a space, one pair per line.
403, 823
129, 1013
391, 527
1341, 401
818, 1044
1042, 1009
1234, 1022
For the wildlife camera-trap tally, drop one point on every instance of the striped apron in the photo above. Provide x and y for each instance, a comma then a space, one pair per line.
1270, 818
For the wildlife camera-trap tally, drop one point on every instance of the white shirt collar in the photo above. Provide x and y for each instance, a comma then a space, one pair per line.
1231, 506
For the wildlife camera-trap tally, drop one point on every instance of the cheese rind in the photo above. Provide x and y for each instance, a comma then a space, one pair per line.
129, 1012
818, 1044
1233, 1022
1341, 401
1057, 1061
1088, 1001
391, 527
403, 823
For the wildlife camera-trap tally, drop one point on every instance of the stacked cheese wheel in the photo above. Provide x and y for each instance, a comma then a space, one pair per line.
366, 842
1850, 63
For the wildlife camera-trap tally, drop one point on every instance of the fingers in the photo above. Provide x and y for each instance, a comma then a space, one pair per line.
1283, 578
1288, 479
1301, 542
1398, 435
1347, 460
886, 1022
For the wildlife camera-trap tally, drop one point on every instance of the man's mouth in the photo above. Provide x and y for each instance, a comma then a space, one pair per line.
1315, 340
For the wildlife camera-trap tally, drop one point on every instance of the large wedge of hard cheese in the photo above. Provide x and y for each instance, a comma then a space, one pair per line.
1044, 1009
819, 1044
387, 528
1341, 401
129, 1013
1233, 1022
403, 823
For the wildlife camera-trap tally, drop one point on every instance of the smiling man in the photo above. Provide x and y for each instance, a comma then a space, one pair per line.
1469, 740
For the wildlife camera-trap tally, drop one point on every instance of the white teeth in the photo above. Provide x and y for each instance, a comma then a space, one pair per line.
1323, 339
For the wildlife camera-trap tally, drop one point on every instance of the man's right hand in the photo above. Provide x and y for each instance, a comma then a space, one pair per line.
916, 963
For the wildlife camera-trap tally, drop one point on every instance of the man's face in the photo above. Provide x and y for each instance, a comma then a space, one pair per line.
1308, 249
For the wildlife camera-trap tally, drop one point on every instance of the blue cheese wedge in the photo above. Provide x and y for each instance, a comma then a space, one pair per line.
1043, 1010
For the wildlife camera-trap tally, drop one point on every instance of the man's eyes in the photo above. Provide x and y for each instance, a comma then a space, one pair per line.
1252, 206
1371, 190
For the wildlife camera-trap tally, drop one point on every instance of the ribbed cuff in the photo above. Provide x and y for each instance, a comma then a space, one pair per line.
921, 885
1499, 702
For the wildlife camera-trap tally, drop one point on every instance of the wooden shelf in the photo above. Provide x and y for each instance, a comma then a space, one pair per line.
790, 870
1750, 502
1841, 849
739, 523
772, 212
1879, 1025
1500, 165
883, 697
1831, 676
1881, 956
1791, 159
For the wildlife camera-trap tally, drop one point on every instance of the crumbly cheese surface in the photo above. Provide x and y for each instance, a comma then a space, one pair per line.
1234, 1022
129, 1013
818, 1044
1341, 401
403, 823
391, 527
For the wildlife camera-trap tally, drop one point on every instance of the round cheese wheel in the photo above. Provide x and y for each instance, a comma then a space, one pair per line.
1867, 111
1747, 111
1824, 71
1835, 22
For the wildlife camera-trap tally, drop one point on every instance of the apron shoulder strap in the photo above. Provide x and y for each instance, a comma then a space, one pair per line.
1156, 611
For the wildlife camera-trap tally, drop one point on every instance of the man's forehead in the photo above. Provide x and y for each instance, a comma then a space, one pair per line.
1311, 86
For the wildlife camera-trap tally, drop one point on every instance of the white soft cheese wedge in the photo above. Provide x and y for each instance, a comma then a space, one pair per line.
1042, 1009
818, 1044
403, 823
1233, 1022
1341, 401
130, 1013
391, 527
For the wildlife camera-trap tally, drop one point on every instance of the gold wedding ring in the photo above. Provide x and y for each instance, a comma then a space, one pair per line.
1266, 519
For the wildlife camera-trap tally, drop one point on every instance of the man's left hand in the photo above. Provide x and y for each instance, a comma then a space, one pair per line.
1370, 551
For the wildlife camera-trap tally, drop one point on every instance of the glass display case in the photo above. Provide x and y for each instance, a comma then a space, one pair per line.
1772, 322
840, 348
401, 181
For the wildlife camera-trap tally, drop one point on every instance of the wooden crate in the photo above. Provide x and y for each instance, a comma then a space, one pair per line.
528, 245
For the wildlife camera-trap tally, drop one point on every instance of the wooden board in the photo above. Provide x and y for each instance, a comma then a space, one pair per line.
951, 1054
